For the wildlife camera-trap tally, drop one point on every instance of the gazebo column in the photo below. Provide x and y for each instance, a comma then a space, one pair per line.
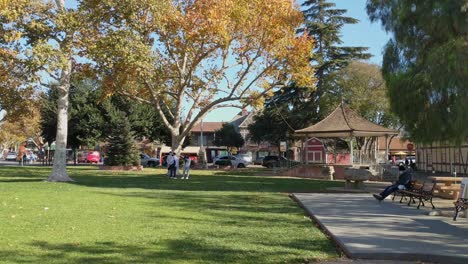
351, 151
307, 149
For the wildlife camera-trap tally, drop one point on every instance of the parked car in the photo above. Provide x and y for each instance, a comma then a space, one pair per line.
146, 160
233, 161
93, 157
245, 157
258, 161
277, 161
82, 156
11, 156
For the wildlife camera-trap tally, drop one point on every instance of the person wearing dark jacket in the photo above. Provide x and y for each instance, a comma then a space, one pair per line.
403, 182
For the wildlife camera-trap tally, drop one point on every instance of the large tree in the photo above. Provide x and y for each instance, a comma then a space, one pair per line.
187, 58
324, 22
86, 120
45, 36
426, 66
89, 121
362, 87
229, 137
15, 97
13, 132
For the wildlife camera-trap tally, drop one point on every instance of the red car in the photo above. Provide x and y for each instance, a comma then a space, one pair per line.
93, 157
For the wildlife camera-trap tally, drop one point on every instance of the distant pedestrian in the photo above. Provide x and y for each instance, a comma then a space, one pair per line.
170, 164
22, 153
187, 163
176, 165
41, 155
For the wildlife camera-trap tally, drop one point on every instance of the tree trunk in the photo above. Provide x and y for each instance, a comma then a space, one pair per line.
59, 170
176, 143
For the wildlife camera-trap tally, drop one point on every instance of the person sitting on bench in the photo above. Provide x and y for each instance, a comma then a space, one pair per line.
402, 183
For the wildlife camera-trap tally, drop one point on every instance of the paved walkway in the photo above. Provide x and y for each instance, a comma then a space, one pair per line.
367, 229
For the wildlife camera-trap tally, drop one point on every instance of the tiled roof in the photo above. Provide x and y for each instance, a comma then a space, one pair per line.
396, 143
208, 126
344, 122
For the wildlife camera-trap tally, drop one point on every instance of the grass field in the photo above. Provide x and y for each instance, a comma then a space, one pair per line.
144, 217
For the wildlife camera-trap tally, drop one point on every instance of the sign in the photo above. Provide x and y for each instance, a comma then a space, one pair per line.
464, 189
283, 146
410, 146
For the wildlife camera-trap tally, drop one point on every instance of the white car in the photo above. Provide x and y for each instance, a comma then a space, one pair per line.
246, 157
233, 161
11, 156
146, 160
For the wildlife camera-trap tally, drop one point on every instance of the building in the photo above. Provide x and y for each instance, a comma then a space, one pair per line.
443, 158
398, 149
241, 122
203, 135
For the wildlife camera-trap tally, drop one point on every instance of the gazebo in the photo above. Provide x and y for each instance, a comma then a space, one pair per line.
345, 123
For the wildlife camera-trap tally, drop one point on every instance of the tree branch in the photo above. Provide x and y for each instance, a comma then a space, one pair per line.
134, 97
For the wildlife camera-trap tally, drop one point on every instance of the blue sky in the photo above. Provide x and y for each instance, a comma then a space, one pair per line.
364, 34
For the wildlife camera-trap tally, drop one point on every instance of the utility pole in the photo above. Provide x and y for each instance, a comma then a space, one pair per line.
202, 147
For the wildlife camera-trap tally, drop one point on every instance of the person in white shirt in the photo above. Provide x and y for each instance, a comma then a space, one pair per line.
176, 165
187, 162
170, 164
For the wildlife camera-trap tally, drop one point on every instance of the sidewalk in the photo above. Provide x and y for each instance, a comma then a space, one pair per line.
367, 229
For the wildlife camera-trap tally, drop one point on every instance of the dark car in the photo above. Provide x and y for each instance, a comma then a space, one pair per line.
277, 161
147, 161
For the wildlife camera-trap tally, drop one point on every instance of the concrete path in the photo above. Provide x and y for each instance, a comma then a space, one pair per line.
367, 229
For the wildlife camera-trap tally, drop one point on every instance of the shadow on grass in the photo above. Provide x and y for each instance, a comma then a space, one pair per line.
206, 183
186, 250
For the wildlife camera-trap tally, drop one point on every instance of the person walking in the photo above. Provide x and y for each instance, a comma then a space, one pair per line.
187, 163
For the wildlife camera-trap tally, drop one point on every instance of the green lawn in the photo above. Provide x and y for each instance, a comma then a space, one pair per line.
116, 217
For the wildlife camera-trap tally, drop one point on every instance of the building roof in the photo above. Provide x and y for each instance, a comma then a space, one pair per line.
397, 144
207, 127
344, 122
243, 119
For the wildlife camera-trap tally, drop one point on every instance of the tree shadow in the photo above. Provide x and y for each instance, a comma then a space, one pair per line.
184, 250
205, 183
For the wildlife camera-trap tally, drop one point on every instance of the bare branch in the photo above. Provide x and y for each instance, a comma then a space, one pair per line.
134, 97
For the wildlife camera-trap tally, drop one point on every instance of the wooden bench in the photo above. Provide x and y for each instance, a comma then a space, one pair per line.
412, 186
460, 204
423, 194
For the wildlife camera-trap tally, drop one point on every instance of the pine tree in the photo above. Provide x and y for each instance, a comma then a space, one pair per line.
425, 66
296, 107
121, 150
324, 22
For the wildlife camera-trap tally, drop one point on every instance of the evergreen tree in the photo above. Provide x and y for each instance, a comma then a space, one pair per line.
294, 107
121, 150
229, 137
85, 117
324, 22
425, 66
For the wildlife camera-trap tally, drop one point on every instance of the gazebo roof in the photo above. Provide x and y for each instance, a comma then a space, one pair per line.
344, 122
